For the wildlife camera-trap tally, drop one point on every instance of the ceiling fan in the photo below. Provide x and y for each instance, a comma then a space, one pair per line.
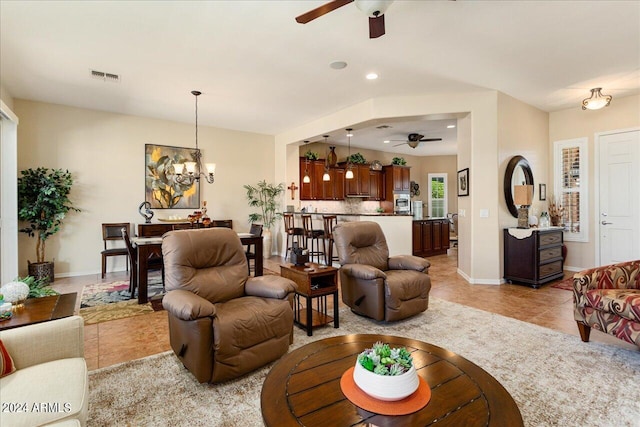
373, 8
414, 139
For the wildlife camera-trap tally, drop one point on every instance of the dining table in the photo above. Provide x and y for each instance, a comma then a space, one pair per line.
151, 247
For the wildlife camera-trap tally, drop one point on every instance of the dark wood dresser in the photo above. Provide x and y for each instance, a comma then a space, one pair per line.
535, 259
430, 237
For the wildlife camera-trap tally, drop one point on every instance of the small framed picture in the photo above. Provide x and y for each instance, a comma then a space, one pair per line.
543, 192
463, 182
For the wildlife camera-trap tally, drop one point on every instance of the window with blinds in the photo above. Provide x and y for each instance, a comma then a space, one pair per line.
438, 195
570, 188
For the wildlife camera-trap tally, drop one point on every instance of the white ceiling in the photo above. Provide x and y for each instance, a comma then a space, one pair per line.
260, 71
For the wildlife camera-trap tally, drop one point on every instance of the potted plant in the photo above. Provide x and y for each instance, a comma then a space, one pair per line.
43, 202
266, 197
386, 373
400, 161
311, 155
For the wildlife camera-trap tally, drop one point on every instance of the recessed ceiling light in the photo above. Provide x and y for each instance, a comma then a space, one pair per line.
372, 76
338, 65
451, 126
386, 142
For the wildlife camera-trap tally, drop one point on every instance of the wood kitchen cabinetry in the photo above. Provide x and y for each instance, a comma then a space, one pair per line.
430, 237
376, 185
359, 185
533, 256
317, 189
397, 178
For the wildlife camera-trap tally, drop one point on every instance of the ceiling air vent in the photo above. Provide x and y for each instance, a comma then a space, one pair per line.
107, 77
383, 127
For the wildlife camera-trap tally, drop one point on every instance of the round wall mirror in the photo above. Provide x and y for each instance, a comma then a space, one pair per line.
518, 172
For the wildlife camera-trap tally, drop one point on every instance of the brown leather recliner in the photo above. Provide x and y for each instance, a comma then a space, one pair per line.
222, 323
373, 284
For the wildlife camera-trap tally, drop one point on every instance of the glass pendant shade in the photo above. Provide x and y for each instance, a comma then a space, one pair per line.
190, 166
306, 179
349, 174
326, 176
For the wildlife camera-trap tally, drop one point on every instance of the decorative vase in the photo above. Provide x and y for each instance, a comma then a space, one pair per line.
266, 243
332, 157
15, 292
386, 387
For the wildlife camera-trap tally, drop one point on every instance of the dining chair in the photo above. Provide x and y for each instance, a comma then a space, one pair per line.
292, 232
312, 239
110, 236
256, 230
153, 263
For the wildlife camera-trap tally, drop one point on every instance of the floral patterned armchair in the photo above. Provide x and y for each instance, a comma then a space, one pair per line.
607, 299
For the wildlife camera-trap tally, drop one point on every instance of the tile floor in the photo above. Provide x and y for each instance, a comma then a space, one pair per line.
121, 340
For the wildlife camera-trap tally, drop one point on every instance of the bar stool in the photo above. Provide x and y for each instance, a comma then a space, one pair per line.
291, 232
315, 236
330, 222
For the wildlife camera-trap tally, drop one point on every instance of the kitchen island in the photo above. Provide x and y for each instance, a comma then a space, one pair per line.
396, 228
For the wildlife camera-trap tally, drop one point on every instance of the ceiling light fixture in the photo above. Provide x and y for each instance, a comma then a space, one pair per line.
306, 179
326, 176
597, 100
194, 169
372, 76
386, 141
349, 173
451, 127
338, 65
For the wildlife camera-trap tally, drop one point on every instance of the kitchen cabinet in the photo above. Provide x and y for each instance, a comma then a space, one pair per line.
430, 237
359, 185
376, 185
398, 178
317, 189
533, 256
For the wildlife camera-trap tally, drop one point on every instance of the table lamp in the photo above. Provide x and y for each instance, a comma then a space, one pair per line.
523, 195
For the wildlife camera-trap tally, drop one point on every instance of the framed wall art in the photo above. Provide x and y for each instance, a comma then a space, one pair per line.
542, 193
160, 188
463, 182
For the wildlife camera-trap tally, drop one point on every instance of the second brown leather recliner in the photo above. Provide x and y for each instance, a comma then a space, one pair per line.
222, 323
374, 284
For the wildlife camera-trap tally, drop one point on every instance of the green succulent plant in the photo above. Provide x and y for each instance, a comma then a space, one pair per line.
357, 158
384, 360
400, 161
311, 155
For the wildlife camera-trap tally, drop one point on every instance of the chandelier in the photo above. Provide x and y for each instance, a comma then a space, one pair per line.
597, 100
194, 169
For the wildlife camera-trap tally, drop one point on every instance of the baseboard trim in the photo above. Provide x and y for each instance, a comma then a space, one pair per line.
479, 281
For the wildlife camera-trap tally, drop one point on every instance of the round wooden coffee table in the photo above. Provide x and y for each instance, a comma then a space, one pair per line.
303, 388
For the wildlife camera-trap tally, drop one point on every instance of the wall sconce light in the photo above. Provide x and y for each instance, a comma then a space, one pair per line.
523, 196
597, 100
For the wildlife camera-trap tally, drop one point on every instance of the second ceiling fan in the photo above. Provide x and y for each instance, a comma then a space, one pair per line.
373, 8
414, 139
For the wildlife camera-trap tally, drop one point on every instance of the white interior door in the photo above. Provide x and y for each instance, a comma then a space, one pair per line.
619, 218
8, 194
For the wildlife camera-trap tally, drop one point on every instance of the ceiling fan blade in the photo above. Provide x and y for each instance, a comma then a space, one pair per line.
376, 27
397, 145
322, 10
431, 139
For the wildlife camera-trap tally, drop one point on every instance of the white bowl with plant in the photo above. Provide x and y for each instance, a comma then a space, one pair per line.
386, 373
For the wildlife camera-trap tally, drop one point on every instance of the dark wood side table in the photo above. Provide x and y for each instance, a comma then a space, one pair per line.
317, 283
37, 310
303, 388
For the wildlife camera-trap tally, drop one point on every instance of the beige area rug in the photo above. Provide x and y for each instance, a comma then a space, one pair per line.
116, 310
555, 379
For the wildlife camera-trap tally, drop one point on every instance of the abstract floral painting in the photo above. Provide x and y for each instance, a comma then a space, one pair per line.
161, 188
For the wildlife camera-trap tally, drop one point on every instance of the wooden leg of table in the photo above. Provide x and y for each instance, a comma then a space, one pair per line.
143, 256
309, 316
336, 321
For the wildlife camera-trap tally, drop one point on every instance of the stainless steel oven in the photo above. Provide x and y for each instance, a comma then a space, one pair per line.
401, 203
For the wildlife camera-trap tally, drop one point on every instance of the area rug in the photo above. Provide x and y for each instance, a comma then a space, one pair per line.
566, 284
556, 379
109, 293
117, 310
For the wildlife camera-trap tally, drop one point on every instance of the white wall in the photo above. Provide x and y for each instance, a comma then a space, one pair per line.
105, 153
623, 113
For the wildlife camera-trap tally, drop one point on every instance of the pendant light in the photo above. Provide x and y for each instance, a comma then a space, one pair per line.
306, 179
349, 173
326, 176
597, 100
194, 169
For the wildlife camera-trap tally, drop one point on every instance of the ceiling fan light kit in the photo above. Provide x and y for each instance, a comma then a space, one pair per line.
374, 9
414, 139
597, 100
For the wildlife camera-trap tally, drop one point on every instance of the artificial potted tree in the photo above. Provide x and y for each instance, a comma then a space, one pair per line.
266, 197
43, 202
